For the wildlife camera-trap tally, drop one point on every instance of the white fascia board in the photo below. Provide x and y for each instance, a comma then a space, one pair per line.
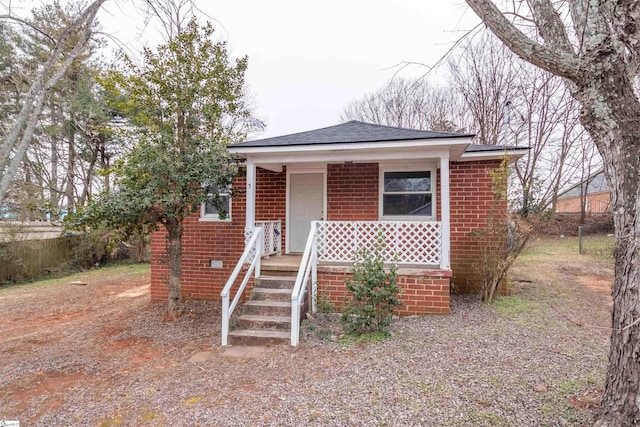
349, 156
354, 146
355, 152
513, 154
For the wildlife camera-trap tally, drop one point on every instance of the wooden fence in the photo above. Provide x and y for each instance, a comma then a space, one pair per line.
29, 259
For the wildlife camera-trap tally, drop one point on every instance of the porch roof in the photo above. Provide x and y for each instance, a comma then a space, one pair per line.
358, 141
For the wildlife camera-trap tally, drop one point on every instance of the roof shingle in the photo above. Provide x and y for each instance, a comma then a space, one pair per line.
349, 132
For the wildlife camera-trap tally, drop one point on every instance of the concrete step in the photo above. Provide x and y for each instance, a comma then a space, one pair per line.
278, 272
267, 308
258, 337
254, 321
271, 294
276, 282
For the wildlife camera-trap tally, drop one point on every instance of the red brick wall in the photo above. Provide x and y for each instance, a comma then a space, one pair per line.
352, 192
596, 202
471, 191
210, 240
421, 294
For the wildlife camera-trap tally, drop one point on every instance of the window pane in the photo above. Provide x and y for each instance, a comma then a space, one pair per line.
407, 204
407, 181
211, 209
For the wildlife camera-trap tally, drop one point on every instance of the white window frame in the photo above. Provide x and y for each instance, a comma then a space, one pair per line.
408, 168
204, 216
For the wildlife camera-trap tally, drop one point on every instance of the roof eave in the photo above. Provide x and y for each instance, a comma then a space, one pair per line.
458, 142
512, 154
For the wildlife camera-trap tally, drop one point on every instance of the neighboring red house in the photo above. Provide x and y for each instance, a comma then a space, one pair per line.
314, 197
595, 192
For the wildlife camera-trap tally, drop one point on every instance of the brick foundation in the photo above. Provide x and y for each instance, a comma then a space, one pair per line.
423, 291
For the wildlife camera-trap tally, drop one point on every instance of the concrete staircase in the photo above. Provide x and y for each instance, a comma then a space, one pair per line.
266, 318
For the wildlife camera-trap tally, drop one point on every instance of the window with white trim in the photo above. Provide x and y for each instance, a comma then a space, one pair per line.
406, 194
209, 211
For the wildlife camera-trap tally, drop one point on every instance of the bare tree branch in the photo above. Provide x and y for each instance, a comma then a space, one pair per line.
563, 63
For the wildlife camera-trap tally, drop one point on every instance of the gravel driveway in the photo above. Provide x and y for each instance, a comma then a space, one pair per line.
101, 355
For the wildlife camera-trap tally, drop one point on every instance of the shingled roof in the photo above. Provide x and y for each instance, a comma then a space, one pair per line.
353, 131
595, 183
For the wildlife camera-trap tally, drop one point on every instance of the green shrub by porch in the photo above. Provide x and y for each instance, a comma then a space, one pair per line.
374, 294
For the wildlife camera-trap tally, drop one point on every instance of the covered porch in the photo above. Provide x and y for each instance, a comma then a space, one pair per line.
418, 236
410, 244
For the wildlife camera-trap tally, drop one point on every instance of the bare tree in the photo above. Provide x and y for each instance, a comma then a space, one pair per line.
595, 48
414, 104
483, 72
515, 103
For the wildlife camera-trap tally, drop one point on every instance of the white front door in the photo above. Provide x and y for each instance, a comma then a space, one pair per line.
306, 204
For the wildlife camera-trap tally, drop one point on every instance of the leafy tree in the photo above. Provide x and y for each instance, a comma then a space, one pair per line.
70, 139
70, 44
595, 47
185, 104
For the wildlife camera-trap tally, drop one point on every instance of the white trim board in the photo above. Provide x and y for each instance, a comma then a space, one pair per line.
408, 168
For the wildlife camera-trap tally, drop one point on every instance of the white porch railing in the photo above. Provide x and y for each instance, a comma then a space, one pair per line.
251, 255
272, 237
412, 242
306, 271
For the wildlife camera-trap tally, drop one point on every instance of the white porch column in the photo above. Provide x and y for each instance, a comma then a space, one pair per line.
251, 194
445, 262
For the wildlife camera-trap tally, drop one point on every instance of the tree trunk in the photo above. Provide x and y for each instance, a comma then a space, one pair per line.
618, 140
599, 77
174, 249
88, 179
53, 182
71, 168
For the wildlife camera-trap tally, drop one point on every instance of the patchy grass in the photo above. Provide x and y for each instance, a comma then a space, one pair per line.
598, 246
371, 337
86, 276
515, 305
558, 401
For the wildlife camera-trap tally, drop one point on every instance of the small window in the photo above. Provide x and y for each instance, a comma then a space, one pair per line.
210, 212
407, 195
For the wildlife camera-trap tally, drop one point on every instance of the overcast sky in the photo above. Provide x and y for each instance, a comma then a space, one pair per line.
307, 60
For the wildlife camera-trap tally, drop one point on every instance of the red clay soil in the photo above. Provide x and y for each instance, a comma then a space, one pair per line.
46, 330
101, 355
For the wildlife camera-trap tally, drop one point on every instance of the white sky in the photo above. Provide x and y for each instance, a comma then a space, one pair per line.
308, 60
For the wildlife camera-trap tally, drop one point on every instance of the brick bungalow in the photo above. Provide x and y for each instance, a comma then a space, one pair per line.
312, 198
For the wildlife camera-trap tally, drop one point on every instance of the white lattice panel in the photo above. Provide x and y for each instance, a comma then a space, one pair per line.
247, 236
272, 237
412, 242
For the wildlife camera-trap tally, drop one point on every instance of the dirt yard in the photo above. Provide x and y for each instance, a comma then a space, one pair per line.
101, 354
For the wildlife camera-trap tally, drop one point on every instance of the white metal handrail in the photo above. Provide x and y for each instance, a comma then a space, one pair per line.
252, 248
410, 242
307, 270
272, 237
